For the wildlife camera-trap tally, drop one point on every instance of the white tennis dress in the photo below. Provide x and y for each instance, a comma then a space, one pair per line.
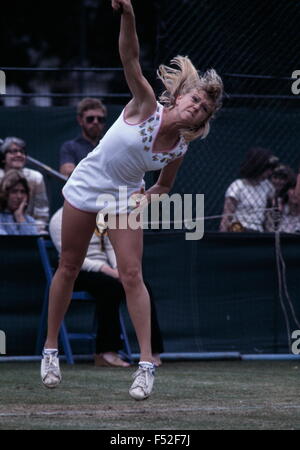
110, 174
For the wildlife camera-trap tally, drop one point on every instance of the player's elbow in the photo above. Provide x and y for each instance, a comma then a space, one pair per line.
128, 58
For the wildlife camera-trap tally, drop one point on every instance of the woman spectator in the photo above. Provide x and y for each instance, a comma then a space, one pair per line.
283, 209
14, 197
13, 156
246, 198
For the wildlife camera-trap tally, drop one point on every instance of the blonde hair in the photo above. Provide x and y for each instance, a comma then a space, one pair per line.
185, 78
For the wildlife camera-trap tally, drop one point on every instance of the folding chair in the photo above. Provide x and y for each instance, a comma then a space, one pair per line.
44, 246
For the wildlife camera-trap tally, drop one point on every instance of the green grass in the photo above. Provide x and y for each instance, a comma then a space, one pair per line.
187, 396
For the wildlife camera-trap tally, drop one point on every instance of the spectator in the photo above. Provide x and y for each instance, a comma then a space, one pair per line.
91, 116
99, 276
284, 213
283, 179
246, 198
290, 218
14, 198
13, 156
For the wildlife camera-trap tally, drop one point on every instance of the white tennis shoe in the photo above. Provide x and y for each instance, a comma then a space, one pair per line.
50, 371
143, 381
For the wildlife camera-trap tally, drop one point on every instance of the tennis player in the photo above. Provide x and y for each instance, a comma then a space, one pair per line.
147, 136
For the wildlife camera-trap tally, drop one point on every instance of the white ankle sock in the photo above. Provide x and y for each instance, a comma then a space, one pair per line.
50, 350
146, 364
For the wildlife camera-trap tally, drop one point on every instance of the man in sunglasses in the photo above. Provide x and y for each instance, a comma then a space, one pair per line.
91, 116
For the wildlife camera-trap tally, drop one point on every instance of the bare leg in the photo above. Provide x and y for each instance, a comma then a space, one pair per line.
77, 229
128, 247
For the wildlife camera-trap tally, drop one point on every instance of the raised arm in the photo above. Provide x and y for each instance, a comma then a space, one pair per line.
143, 102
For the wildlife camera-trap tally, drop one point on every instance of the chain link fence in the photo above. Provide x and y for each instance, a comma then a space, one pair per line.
242, 37
253, 46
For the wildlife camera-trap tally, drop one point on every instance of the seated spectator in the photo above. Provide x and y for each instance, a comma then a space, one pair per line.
283, 180
99, 276
284, 213
246, 198
290, 217
13, 156
91, 116
14, 198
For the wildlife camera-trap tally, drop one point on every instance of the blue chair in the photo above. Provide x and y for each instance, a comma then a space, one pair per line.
44, 246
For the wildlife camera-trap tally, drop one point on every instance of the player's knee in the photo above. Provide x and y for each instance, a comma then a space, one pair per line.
131, 277
69, 270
